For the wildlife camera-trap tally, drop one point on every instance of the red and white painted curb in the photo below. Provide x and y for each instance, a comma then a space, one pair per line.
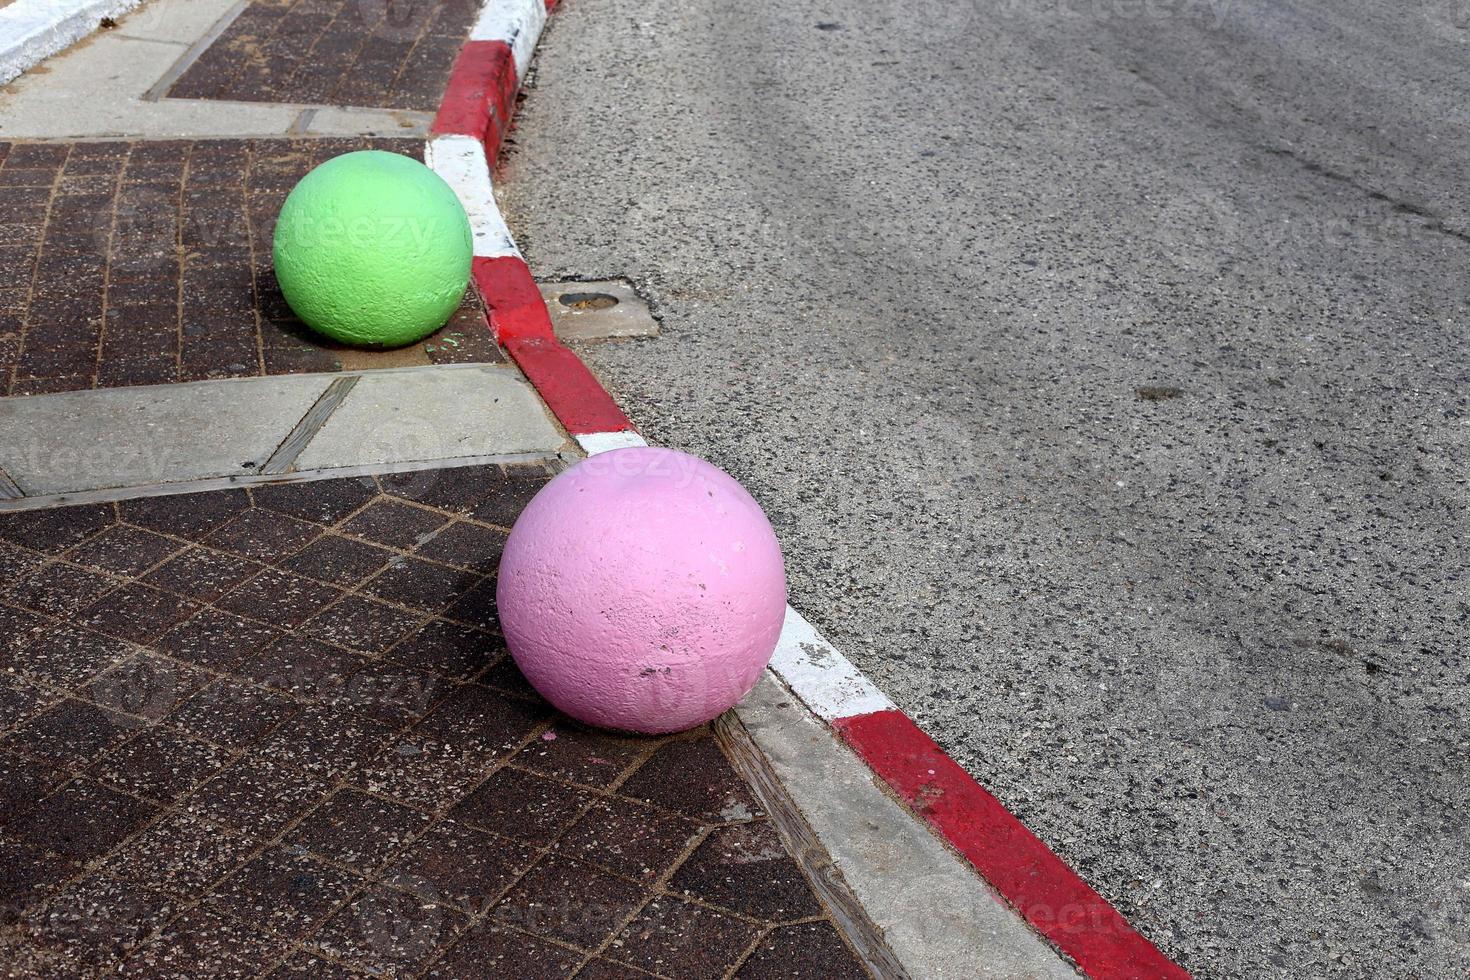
1057, 903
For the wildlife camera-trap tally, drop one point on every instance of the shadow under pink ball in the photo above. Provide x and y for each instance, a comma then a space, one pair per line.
642, 590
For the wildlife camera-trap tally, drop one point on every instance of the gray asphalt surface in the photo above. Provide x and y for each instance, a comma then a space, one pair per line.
1102, 367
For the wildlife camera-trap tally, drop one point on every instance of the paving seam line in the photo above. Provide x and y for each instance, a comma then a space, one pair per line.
33, 30
1050, 896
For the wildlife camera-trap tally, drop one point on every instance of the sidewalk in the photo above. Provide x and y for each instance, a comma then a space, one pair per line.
277, 728
256, 717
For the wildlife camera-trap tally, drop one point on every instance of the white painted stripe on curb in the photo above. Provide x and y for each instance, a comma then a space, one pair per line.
460, 160
593, 443
825, 680
517, 23
33, 30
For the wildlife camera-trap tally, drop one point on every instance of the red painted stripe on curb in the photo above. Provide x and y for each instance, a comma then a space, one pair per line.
480, 96
1052, 897
521, 324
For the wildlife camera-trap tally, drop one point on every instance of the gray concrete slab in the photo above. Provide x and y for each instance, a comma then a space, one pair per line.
597, 309
926, 270
116, 437
433, 413
938, 917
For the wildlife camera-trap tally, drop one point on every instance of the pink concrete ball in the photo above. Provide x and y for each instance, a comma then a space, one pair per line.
642, 590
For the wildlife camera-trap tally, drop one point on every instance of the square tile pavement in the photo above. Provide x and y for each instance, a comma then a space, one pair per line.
137, 263
277, 738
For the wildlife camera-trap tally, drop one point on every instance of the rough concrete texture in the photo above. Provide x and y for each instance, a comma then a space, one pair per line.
642, 591
119, 437
1102, 369
433, 413
373, 248
938, 917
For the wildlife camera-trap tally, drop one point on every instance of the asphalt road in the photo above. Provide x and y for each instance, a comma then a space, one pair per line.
1102, 367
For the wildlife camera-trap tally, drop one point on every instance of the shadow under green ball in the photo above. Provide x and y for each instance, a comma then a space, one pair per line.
373, 249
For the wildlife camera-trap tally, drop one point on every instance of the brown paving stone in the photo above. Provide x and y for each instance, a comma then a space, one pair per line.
181, 855
156, 269
304, 667
19, 627
288, 892
24, 783
580, 755
215, 639
71, 732
65, 655
521, 806
458, 488
464, 867
675, 937
59, 588
160, 764
802, 952
31, 871
15, 562
394, 524
278, 598
304, 966
202, 943
490, 950
202, 573
440, 759
257, 797
357, 830
455, 651
693, 777
147, 685
137, 613
324, 739
389, 930
82, 820
570, 901
745, 867
263, 535
506, 675
97, 920
508, 498
188, 515
393, 694
420, 584
628, 838
338, 560
19, 701
477, 606
466, 545
233, 714
600, 969
322, 501
124, 550
361, 624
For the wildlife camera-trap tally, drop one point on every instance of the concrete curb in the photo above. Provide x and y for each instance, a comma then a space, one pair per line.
1051, 898
32, 30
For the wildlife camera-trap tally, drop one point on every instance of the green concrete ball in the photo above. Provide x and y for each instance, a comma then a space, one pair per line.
373, 249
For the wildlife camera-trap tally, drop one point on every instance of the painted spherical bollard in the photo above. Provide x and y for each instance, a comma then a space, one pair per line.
642, 590
373, 249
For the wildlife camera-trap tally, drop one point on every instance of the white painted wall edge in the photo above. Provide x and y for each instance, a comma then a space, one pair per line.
33, 30
517, 23
460, 160
825, 680
593, 443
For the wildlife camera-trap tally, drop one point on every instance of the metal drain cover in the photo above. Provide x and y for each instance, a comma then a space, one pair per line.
597, 310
